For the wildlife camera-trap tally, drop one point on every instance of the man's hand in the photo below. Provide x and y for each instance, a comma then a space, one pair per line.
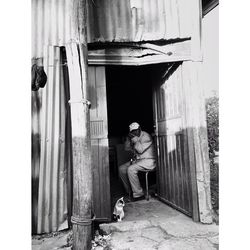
134, 139
131, 135
128, 144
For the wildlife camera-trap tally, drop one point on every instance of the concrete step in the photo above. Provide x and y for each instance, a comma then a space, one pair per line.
124, 226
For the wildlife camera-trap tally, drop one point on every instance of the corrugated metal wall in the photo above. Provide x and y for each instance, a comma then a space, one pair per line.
138, 20
174, 182
51, 157
111, 20
51, 24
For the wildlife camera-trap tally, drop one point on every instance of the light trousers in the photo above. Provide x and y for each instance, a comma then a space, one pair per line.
128, 173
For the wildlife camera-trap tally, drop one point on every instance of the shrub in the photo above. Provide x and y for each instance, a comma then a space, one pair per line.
212, 109
212, 112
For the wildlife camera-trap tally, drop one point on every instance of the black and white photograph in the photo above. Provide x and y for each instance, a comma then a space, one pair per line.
124, 124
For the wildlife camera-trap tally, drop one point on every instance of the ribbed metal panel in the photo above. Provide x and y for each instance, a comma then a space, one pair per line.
111, 21
51, 161
174, 182
36, 149
51, 24
138, 20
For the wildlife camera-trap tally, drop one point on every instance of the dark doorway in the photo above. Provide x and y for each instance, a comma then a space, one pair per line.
129, 99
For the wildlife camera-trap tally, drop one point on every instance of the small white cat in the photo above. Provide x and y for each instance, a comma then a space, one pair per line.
118, 213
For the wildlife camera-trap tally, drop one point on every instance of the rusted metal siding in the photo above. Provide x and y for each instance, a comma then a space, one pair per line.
111, 21
138, 20
51, 157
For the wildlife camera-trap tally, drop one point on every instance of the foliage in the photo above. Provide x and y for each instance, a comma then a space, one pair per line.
212, 111
101, 241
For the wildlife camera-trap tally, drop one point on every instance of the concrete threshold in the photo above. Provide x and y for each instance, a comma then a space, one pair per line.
154, 225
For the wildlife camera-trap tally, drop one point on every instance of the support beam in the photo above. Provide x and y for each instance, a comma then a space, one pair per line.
76, 52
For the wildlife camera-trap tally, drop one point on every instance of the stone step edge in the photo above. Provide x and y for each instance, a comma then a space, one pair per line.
125, 226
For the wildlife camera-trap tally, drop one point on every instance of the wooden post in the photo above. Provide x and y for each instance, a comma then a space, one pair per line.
198, 142
76, 52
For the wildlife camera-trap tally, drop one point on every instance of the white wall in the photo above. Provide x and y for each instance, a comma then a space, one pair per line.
210, 36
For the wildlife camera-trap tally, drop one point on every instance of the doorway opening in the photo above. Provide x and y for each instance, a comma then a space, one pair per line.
129, 99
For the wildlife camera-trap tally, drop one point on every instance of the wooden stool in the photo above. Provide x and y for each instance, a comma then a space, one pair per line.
147, 171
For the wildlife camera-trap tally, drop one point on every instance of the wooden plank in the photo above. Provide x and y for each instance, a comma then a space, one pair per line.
101, 96
198, 144
92, 91
99, 139
104, 179
95, 170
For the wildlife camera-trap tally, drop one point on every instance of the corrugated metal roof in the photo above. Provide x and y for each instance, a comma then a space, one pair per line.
111, 21
51, 161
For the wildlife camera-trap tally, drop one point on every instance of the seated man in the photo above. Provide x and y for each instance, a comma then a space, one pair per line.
141, 143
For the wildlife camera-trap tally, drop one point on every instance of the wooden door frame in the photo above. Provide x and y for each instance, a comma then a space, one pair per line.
200, 213
99, 141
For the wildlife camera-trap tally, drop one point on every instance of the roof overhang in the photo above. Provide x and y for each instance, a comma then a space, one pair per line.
143, 54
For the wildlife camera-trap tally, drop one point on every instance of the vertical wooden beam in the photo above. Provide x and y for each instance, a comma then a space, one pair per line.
198, 143
76, 52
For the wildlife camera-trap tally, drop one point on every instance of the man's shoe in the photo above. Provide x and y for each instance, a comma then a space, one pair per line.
139, 198
127, 199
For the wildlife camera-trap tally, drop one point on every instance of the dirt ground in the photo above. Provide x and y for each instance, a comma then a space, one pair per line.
57, 240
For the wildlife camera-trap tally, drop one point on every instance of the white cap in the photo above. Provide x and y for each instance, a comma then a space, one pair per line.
133, 126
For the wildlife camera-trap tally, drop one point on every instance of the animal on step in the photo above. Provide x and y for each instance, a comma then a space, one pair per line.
118, 213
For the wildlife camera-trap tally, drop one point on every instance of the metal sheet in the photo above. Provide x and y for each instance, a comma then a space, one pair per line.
51, 161
138, 20
111, 21
51, 24
174, 186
